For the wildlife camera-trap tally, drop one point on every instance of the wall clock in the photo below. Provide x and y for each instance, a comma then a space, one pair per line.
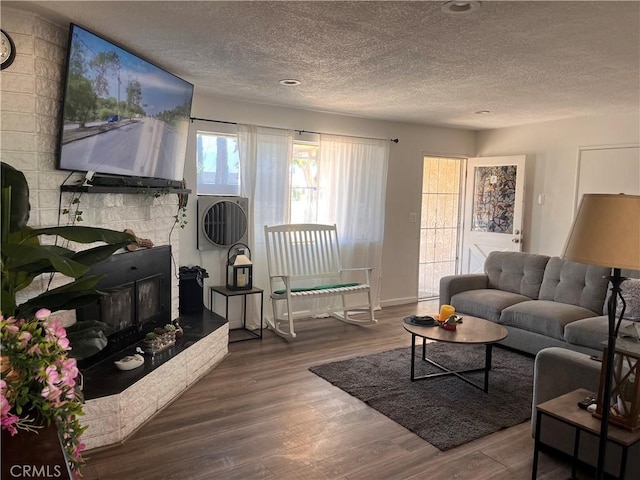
7, 50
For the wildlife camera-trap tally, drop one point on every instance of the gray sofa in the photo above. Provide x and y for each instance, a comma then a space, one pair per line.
542, 301
555, 309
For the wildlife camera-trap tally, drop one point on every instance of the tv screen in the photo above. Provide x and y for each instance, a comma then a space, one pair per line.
122, 115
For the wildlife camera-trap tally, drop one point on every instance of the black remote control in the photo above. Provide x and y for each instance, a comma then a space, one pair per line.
583, 404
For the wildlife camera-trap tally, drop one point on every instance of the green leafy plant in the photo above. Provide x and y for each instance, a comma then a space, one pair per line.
73, 210
24, 258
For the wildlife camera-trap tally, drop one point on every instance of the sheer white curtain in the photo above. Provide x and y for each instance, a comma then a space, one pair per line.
352, 177
265, 160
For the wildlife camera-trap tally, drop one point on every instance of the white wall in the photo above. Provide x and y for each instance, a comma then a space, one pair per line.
404, 181
29, 107
552, 162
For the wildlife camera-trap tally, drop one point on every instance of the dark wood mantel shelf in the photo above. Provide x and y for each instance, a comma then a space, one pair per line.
123, 189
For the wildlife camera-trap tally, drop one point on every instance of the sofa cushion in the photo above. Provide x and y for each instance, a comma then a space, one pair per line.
575, 283
590, 332
543, 316
485, 303
516, 272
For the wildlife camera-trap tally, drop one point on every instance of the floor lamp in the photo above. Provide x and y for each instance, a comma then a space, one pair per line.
606, 232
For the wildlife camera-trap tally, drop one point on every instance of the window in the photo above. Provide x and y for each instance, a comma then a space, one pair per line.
304, 183
218, 164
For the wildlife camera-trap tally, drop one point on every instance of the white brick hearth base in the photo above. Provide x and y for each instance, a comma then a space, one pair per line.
113, 418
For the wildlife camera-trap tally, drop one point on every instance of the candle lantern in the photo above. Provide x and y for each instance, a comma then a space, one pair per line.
239, 268
624, 402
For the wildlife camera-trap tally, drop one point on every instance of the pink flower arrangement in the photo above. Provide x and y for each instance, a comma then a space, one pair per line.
39, 380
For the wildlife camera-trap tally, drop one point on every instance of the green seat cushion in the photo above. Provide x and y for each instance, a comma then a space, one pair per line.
319, 287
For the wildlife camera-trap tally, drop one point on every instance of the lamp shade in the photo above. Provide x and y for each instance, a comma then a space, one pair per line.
606, 232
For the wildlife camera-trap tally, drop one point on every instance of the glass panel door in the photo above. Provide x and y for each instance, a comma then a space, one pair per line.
439, 223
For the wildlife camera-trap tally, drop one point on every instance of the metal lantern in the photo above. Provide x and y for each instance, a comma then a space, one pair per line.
624, 402
239, 268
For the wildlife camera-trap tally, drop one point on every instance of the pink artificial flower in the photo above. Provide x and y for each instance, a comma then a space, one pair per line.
64, 344
55, 329
51, 375
69, 371
51, 393
79, 448
7, 420
4, 406
43, 313
34, 350
12, 329
24, 337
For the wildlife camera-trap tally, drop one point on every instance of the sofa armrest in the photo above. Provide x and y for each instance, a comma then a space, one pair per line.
452, 284
558, 371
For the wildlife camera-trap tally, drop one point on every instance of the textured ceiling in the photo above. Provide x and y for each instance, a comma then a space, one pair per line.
525, 61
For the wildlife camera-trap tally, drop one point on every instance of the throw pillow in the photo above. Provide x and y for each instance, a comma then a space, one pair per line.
631, 294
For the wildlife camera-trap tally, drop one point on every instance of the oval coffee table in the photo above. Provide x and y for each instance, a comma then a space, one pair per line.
471, 331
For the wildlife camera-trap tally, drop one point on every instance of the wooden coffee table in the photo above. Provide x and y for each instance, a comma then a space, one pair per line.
471, 331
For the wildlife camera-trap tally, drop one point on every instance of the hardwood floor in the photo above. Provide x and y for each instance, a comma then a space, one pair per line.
260, 414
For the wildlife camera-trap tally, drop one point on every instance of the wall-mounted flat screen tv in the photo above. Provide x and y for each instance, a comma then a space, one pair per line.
121, 115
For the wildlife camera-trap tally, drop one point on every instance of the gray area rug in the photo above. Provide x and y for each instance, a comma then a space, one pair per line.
444, 411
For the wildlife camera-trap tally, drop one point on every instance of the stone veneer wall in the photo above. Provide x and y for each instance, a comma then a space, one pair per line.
30, 102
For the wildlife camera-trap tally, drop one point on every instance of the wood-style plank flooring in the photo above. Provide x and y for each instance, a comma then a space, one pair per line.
260, 414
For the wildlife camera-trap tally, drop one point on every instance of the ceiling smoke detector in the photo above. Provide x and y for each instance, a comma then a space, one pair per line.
289, 82
460, 8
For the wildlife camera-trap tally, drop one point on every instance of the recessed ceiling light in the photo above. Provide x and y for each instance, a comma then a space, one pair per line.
483, 112
289, 82
460, 8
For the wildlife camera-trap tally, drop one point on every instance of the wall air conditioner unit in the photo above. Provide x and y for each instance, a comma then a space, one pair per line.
222, 221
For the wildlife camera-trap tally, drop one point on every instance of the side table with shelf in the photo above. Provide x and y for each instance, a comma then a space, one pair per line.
226, 293
565, 409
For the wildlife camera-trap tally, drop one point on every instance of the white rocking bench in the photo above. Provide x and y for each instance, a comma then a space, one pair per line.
304, 263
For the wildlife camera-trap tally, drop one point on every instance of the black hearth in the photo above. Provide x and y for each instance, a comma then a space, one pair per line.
138, 298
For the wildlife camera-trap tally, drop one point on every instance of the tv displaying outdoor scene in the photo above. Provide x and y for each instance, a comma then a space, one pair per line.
122, 115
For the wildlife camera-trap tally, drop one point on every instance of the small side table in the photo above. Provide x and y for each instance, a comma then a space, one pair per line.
226, 293
565, 409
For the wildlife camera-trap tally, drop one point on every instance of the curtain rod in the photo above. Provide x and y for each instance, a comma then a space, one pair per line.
300, 132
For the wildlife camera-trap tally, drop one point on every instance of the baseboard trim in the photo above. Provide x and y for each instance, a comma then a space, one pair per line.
398, 301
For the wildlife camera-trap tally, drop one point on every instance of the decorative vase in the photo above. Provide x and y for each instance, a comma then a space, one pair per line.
39, 451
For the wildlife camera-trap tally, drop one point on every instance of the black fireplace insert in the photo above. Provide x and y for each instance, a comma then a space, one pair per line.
138, 297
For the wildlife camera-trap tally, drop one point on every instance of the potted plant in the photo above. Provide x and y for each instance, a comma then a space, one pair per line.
170, 330
151, 342
38, 378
